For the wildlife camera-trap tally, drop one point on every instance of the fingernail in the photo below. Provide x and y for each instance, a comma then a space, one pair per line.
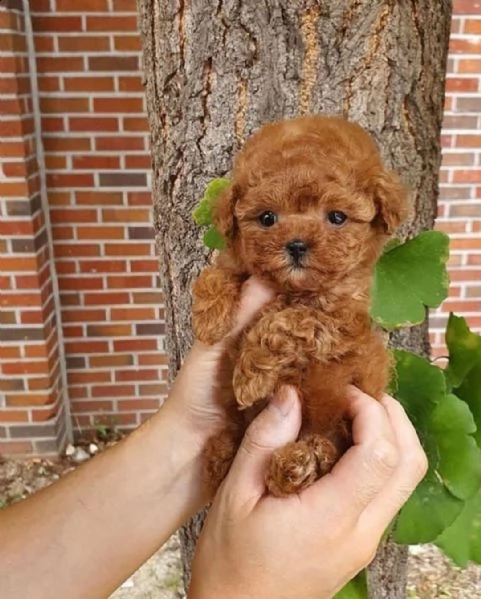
283, 401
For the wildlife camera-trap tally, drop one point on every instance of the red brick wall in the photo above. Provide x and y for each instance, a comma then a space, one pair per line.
32, 395
460, 187
93, 140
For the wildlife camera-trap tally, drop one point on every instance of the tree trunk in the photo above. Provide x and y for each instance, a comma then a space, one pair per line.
217, 70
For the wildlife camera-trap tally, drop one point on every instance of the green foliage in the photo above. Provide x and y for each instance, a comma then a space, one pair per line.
462, 540
355, 589
444, 425
202, 214
444, 405
408, 278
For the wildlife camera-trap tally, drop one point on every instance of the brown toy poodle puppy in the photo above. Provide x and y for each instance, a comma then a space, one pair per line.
309, 210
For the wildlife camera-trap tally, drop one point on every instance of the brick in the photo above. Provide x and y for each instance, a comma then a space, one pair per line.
129, 282
84, 43
94, 124
84, 378
139, 198
86, 347
469, 65
59, 64
465, 46
458, 159
472, 26
70, 180
25, 368
75, 362
99, 232
15, 447
62, 233
52, 124
141, 374
92, 406
80, 283
44, 44
149, 297
153, 360
89, 84
112, 23
96, 162
139, 404
87, 6
466, 210
32, 430
12, 385
66, 144
467, 176
55, 24
141, 232
469, 104
17, 264
46, 447
156, 389
48, 83
122, 179
99, 198
133, 314
131, 84
13, 416
468, 141
64, 105
111, 361
138, 162
134, 345
103, 266
135, 124
466, 243
110, 298
144, 266
113, 390
72, 215
111, 63
150, 329
118, 104
127, 43
460, 122
120, 144
109, 330
76, 250
123, 5
84, 316
473, 290
126, 215
467, 7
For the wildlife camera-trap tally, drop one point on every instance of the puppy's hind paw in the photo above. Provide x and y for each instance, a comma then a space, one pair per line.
291, 469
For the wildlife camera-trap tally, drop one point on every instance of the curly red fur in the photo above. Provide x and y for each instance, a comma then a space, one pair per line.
316, 334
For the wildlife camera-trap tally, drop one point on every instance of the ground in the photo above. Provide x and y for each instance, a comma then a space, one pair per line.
431, 576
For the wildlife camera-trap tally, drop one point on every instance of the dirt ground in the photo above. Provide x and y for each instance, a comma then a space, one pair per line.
431, 575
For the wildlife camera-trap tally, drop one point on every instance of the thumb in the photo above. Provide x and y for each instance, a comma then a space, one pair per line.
278, 424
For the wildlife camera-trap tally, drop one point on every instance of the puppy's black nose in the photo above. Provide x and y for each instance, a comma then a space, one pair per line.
296, 248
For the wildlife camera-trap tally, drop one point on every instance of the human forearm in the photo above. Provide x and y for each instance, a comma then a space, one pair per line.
84, 535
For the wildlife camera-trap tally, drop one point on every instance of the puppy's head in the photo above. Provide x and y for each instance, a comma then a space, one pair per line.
310, 202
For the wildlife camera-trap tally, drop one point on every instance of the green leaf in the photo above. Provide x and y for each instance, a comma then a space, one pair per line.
464, 349
203, 212
459, 457
355, 589
462, 540
470, 393
429, 511
213, 239
444, 425
408, 278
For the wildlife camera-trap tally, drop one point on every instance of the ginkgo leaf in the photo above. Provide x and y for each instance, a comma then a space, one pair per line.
213, 239
408, 278
462, 540
203, 212
445, 426
464, 349
470, 392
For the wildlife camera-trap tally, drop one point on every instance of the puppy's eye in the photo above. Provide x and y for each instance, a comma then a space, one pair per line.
336, 218
268, 218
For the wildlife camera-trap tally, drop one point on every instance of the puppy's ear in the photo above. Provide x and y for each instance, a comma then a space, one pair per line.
391, 201
223, 216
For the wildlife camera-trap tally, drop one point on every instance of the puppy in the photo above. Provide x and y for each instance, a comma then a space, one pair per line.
309, 210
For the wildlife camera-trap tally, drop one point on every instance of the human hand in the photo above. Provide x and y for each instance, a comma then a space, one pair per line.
307, 545
192, 395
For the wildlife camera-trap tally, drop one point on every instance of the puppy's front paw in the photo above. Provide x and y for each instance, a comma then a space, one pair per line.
291, 469
251, 387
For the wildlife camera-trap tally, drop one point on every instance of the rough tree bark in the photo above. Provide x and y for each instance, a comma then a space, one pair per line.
217, 69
